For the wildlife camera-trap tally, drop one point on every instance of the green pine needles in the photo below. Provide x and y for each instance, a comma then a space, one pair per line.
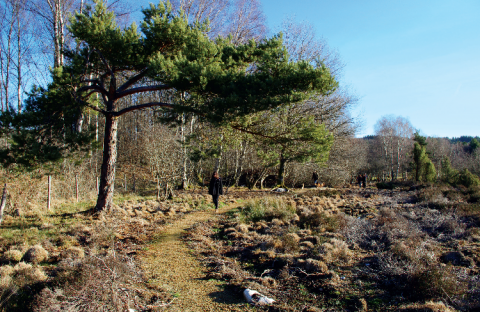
166, 64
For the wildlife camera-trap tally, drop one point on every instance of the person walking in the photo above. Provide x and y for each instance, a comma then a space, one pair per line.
359, 180
216, 188
315, 178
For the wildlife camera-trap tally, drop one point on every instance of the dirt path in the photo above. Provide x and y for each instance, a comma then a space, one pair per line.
169, 264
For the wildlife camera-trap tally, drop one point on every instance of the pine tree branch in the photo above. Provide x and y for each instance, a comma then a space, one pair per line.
142, 89
96, 109
95, 88
141, 106
133, 80
253, 132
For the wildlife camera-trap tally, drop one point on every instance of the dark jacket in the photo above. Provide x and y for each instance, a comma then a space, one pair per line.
216, 187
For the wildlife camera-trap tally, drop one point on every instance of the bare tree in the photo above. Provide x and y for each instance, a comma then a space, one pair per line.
395, 135
215, 11
16, 52
303, 44
246, 21
242, 19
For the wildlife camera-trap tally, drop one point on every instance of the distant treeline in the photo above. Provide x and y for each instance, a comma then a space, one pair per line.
462, 139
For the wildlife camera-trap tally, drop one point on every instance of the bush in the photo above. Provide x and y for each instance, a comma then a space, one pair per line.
468, 179
449, 174
434, 282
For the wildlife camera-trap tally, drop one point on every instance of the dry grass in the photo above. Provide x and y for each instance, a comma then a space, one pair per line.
35, 254
267, 209
12, 255
84, 259
336, 252
429, 306
98, 283
388, 255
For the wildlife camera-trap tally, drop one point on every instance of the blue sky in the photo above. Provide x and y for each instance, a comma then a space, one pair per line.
419, 59
416, 59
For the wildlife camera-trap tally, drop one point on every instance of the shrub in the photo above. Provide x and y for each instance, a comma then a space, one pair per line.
454, 194
449, 174
430, 173
468, 179
434, 282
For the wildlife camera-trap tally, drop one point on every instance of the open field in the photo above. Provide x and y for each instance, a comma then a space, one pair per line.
411, 248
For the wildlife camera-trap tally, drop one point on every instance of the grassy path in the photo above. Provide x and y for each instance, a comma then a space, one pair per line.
169, 264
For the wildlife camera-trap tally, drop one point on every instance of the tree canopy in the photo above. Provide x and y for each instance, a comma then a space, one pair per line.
168, 57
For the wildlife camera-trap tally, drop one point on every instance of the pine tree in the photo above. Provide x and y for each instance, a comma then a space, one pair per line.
221, 80
418, 158
424, 168
474, 144
468, 179
449, 174
430, 174
287, 134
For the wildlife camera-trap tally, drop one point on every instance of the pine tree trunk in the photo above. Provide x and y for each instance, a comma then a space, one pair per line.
281, 172
107, 177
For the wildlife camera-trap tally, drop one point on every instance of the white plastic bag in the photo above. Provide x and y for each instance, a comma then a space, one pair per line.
254, 297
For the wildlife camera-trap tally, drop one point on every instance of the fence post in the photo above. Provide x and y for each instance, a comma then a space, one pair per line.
98, 191
4, 201
49, 192
125, 179
76, 187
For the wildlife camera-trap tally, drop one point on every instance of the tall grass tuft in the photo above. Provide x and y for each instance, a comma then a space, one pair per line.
267, 209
